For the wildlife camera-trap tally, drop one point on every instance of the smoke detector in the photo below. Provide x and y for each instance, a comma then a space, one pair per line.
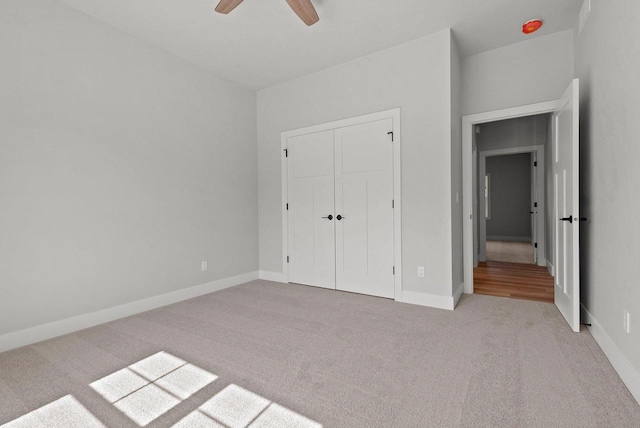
531, 26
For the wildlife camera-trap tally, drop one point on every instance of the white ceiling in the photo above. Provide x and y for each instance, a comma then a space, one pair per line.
263, 43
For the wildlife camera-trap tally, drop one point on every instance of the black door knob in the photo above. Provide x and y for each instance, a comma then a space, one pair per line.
569, 219
330, 217
339, 217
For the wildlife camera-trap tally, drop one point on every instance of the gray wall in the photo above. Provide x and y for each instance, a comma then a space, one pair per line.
415, 77
510, 196
608, 65
529, 72
121, 168
519, 132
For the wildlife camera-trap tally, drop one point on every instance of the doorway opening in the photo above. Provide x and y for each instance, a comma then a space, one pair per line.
511, 194
510, 205
565, 148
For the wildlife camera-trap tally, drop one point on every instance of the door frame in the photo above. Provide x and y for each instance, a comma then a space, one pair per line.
393, 114
540, 196
469, 209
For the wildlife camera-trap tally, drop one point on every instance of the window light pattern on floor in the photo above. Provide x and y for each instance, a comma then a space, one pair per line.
235, 407
65, 412
151, 387
146, 390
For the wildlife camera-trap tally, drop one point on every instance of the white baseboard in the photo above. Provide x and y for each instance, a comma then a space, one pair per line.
551, 269
69, 325
272, 276
626, 371
425, 299
457, 294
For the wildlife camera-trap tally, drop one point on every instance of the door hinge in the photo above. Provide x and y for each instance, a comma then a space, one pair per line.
287, 259
286, 153
535, 163
394, 270
535, 245
390, 133
535, 204
393, 203
287, 207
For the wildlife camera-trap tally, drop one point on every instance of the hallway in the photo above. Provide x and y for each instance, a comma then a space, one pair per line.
515, 280
510, 251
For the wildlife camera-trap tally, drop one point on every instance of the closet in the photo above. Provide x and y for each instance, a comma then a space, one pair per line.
340, 208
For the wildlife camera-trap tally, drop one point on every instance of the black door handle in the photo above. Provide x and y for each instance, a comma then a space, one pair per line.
330, 217
569, 219
339, 217
530, 212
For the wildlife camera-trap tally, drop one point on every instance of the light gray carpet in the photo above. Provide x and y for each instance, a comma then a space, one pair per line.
343, 360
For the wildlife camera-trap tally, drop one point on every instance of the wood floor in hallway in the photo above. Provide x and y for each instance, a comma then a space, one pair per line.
515, 280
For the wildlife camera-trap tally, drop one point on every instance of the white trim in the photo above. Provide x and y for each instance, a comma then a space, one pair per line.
393, 114
626, 371
468, 123
431, 300
457, 294
551, 269
69, 325
343, 123
283, 205
397, 197
272, 276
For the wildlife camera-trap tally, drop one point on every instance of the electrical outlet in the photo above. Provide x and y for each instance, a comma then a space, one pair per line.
420, 271
204, 266
627, 321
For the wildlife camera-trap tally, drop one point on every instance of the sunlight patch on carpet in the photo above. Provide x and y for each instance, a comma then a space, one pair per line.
64, 412
149, 388
236, 407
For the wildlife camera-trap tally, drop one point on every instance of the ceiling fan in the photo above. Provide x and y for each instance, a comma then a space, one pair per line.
303, 8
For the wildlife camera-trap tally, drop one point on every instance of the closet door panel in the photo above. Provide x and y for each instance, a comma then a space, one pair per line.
364, 212
311, 201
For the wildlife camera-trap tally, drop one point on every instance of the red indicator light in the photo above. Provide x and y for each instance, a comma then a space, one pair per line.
531, 26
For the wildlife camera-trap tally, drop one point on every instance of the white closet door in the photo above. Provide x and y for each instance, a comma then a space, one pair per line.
364, 212
311, 201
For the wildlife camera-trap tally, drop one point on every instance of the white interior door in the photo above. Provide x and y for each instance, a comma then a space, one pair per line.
364, 210
311, 209
534, 207
566, 182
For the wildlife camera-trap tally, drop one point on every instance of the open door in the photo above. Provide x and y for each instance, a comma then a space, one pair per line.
566, 183
534, 206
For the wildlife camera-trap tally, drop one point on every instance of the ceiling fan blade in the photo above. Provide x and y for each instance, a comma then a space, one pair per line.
305, 10
226, 6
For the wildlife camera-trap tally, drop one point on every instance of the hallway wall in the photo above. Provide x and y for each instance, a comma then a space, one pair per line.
528, 72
